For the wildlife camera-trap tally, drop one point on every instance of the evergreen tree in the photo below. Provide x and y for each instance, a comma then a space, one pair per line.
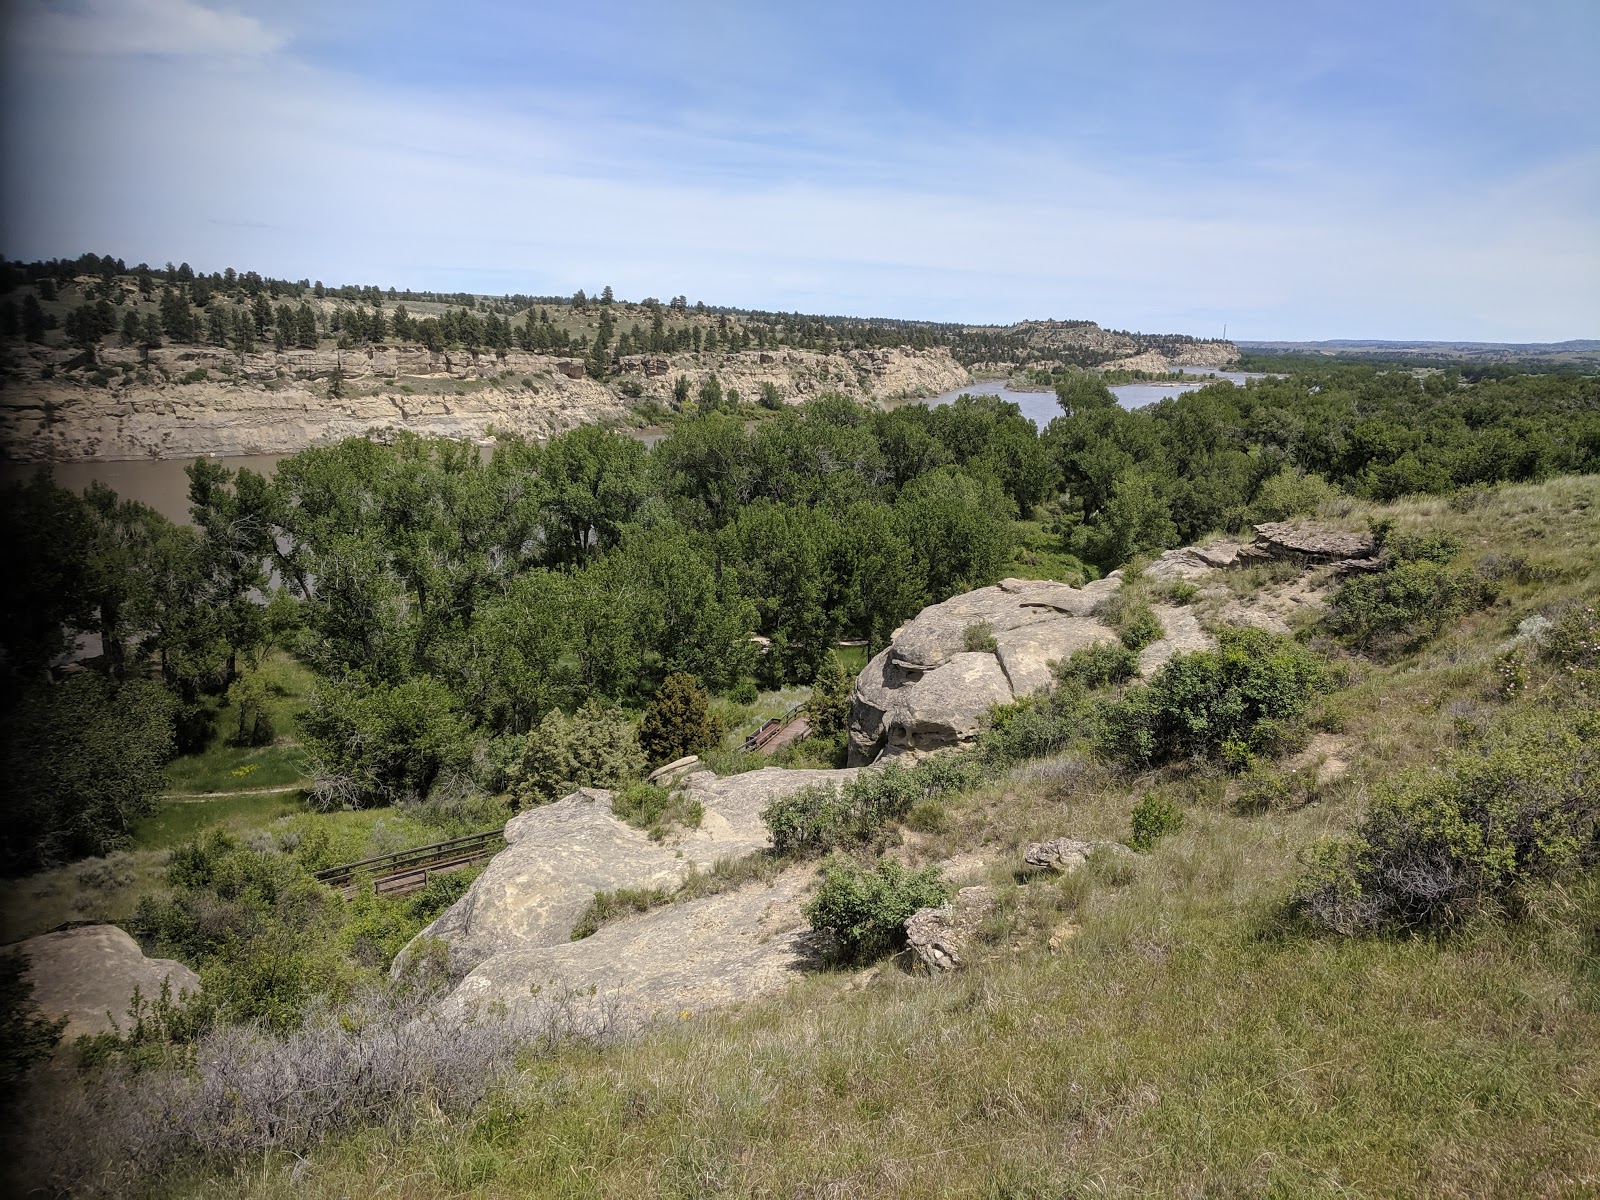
828, 709
679, 721
32, 319
305, 327
261, 313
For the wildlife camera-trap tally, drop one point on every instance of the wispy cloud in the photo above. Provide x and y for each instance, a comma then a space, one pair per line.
155, 27
839, 169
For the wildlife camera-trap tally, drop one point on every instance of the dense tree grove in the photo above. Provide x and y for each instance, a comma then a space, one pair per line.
449, 602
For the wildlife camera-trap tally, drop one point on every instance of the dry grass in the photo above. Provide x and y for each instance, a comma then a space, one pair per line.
1189, 1040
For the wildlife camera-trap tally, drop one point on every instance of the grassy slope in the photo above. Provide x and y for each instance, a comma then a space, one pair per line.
1181, 1043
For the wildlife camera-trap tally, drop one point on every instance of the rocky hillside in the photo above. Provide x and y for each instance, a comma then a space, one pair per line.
185, 400
1045, 344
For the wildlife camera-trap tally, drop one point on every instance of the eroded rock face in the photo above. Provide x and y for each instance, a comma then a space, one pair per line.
927, 691
558, 856
89, 974
280, 402
681, 958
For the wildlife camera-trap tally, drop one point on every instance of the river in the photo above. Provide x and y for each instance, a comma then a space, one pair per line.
1041, 407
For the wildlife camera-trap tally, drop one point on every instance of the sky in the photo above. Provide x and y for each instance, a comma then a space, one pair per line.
1358, 169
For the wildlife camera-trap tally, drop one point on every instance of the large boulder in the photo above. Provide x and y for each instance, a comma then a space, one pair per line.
677, 959
942, 936
558, 856
88, 975
933, 684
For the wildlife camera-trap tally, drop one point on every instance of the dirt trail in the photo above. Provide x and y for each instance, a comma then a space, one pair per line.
193, 797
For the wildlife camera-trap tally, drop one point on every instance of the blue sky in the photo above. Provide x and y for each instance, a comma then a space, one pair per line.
1305, 170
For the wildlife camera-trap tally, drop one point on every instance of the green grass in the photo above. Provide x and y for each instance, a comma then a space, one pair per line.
178, 821
852, 658
1037, 554
1184, 1039
226, 768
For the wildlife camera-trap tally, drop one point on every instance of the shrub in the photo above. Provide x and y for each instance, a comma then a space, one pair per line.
1153, 818
1288, 493
656, 810
1408, 603
1248, 696
679, 721
198, 375
1099, 665
820, 818
386, 1059
1135, 621
978, 637
382, 745
1438, 845
771, 398
863, 913
1034, 727
828, 709
744, 692
595, 747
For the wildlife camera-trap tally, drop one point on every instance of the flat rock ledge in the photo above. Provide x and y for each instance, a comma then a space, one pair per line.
88, 975
557, 856
667, 964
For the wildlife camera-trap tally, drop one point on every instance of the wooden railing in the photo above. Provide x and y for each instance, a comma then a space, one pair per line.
407, 870
772, 728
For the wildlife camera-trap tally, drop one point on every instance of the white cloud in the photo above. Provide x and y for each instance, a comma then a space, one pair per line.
160, 27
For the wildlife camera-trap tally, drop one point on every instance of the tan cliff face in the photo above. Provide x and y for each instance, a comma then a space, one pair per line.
281, 402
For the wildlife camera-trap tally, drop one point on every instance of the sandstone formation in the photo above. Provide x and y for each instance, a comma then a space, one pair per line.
281, 402
558, 856
675, 960
941, 937
1316, 543
88, 975
927, 690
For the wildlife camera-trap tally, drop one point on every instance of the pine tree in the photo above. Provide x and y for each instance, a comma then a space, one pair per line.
32, 319
828, 709
679, 721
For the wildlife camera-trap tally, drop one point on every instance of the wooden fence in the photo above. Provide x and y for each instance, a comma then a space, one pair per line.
408, 870
772, 728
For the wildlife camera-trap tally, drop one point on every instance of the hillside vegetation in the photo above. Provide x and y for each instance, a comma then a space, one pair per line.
1353, 951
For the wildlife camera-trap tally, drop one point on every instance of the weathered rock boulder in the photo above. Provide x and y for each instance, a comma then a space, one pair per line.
558, 856
1064, 853
88, 975
927, 690
1317, 543
942, 937
681, 958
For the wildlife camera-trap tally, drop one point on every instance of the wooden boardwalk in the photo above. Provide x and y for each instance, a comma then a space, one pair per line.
762, 738
409, 870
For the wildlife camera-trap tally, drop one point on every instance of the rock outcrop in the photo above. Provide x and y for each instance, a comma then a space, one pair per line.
1064, 853
88, 975
941, 937
678, 959
204, 400
558, 856
928, 690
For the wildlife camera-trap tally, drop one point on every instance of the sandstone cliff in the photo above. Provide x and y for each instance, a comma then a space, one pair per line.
203, 400
1086, 344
